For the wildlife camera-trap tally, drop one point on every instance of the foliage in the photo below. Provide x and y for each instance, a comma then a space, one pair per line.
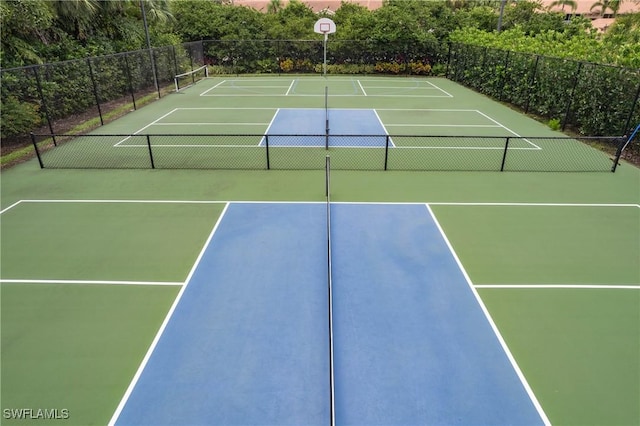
554, 124
591, 99
619, 47
16, 116
403, 36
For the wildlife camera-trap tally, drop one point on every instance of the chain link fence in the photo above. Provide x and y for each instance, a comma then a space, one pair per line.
86, 93
592, 99
308, 152
77, 96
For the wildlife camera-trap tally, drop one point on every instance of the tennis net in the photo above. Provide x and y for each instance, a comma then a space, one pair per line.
326, 117
189, 78
330, 288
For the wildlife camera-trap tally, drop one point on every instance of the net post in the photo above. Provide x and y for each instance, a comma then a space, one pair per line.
35, 146
386, 151
327, 175
504, 155
616, 159
621, 146
326, 117
153, 166
266, 143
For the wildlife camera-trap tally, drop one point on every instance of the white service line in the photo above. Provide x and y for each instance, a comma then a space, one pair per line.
208, 90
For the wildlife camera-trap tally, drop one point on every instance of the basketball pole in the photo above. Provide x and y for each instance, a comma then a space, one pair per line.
326, 36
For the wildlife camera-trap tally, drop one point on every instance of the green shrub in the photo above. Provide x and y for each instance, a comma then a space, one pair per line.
554, 124
18, 118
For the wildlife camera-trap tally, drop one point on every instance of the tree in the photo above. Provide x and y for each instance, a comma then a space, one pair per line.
531, 17
571, 3
274, 6
75, 16
24, 28
603, 5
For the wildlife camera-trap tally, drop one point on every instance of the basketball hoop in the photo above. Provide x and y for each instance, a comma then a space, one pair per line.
325, 26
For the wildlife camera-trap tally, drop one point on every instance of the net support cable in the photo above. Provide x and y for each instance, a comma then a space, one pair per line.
330, 291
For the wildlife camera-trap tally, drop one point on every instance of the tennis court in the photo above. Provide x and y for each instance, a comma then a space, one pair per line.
259, 123
234, 296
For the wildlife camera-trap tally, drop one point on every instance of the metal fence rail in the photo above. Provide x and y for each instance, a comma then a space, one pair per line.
308, 152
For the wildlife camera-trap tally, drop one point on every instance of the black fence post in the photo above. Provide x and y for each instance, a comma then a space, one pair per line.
266, 143
570, 101
175, 60
504, 155
153, 165
531, 83
43, 102
628, 124
95, 90
446, 72
154, 69
386, 152
191, 62
35, 146
504, 76
130, 81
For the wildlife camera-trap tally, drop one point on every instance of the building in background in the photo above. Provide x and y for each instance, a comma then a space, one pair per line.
601, 12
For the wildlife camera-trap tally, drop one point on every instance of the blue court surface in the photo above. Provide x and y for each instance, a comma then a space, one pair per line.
248, 341
308, 128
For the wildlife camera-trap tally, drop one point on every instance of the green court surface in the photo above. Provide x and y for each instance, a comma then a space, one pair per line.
92, 261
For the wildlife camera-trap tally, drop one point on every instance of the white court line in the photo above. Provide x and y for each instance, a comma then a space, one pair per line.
507, 204
211, 124
462, 148
208, 90
205, 145
384, 128
403, 87
225, 108
447, 125
10, 207
257, 95
293, 82
147, 356
251, 86
262, 142
502, 342
89, 282
427, 109
508, 129
431, 203
362, 88
148, 125
565, 286
442, 90
117, 201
